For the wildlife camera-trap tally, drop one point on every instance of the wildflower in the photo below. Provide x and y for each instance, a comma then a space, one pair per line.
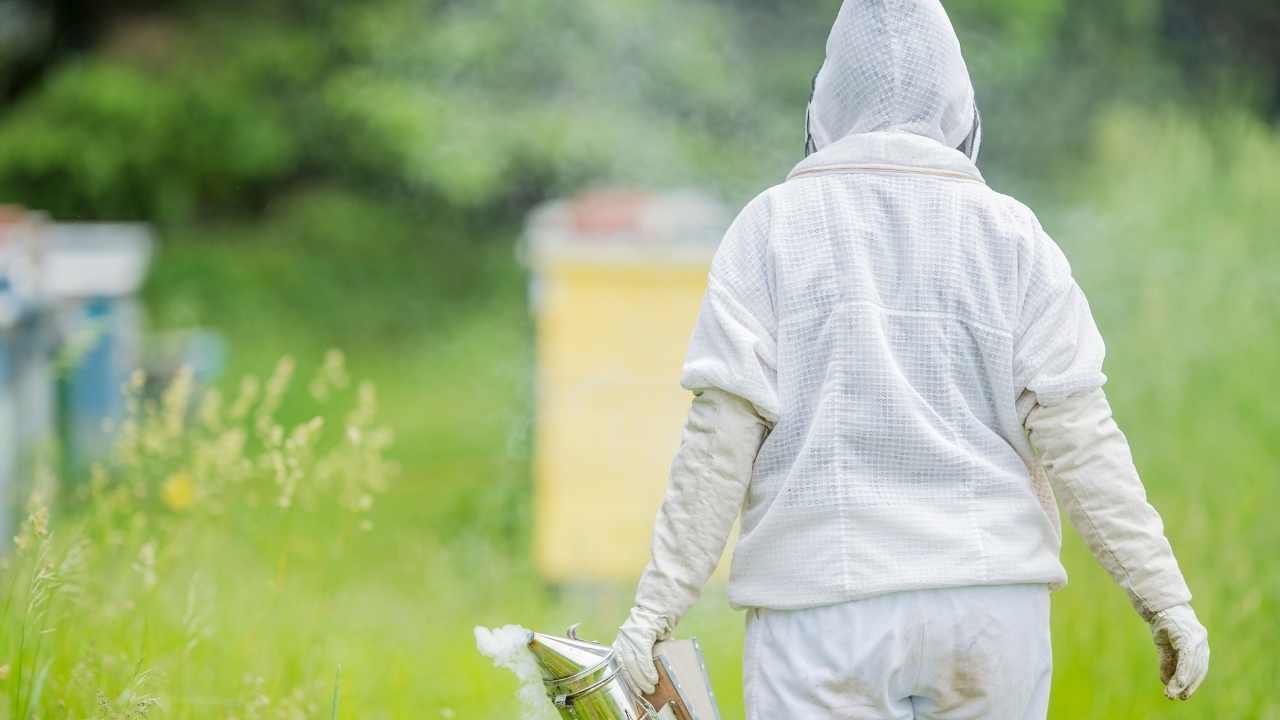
177, 397
211, 410
276, 386
179, 491
145, 565
40, 522
247, 397
36, 525
331, 375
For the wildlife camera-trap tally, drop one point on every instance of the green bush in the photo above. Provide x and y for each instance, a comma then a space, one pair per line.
104, 140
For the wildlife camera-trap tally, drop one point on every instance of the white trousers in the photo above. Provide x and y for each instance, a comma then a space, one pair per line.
948, 654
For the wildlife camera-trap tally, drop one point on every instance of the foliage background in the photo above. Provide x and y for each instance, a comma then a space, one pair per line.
354, 175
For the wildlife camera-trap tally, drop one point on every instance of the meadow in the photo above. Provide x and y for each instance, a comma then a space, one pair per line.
319, 540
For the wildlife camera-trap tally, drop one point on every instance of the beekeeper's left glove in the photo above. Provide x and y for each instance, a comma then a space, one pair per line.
1183, 644
709, 480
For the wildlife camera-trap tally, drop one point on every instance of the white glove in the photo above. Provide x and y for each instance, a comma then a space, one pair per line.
1090, 468
634, 649
709, 480
1183, 644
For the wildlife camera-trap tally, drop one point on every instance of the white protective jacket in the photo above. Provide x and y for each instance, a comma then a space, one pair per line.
887, 309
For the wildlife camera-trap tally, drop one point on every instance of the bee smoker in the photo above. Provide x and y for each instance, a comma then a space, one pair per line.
584, 683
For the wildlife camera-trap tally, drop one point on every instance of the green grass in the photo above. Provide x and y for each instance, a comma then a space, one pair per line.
253, 610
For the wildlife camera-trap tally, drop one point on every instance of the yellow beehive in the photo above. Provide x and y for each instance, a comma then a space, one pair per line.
618, 278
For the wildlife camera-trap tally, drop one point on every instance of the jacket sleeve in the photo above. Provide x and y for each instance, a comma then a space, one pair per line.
734, 345
1058, 351
1090, 468
709, 479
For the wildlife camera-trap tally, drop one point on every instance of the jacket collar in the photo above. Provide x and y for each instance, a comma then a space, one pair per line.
888, 151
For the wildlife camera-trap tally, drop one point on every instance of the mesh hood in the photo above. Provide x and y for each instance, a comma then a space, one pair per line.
894, 65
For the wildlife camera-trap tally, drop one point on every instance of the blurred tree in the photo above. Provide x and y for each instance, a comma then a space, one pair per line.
1240, 38
175, 110
26, 32
458, 105
107, 141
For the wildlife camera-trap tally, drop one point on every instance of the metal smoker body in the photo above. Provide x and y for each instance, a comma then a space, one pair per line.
582, 679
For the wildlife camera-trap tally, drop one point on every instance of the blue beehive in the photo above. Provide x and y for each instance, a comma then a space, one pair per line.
92, 272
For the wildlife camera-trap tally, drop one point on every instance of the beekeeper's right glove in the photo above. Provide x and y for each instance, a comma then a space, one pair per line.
709, 480
634, 648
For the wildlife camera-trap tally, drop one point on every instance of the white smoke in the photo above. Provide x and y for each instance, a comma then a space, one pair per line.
508, 647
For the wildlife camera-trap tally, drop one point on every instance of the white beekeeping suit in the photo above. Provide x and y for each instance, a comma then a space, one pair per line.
895, 371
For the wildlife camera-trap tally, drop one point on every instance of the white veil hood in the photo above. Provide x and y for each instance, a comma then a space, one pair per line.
894, 65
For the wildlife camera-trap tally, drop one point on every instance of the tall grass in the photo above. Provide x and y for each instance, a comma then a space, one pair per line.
159, 587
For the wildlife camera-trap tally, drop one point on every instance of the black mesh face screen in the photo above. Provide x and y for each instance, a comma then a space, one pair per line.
972, 143
810, 146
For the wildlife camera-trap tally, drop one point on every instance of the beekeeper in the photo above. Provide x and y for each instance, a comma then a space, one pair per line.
894, 375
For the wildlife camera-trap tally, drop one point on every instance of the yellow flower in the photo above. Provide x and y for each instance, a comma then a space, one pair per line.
179, 491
